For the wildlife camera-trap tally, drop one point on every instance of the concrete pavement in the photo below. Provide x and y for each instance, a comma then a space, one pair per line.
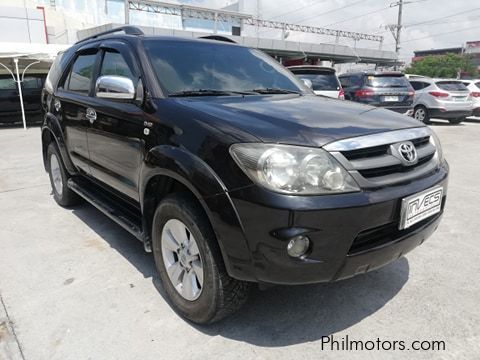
74, 285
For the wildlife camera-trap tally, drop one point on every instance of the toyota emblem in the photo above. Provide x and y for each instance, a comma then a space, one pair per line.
408, 152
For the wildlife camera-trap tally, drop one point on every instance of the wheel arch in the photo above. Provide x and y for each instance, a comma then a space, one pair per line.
52, 132
168, 170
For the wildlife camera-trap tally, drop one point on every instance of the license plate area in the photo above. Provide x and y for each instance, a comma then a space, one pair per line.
420, 206
390, 98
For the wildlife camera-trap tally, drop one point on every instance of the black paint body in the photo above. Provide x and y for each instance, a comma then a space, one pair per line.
189, 140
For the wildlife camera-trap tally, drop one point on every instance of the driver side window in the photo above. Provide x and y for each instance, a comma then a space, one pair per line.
114, 64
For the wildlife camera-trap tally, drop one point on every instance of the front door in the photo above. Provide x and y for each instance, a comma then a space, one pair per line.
115, 138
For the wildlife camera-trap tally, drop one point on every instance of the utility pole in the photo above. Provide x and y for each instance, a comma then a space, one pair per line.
397, 29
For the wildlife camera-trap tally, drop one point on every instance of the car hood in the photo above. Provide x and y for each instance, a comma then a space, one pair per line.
297, 120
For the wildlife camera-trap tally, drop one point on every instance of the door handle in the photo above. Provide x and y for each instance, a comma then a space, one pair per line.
91, 115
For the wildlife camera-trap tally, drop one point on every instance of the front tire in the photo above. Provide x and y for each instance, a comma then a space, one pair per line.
62, 194
421, 114
190, 264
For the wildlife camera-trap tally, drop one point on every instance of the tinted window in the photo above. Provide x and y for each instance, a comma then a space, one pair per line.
115, 64
477, 84
387, 81
54, 73
182, 66
30, 82
82, 71
419, 85
325, 81
416, 85
451, 86
344, 81
7, 83
351, 81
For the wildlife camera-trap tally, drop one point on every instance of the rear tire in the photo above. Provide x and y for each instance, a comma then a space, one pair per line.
215, 294
59, 178
421, 114
456, 121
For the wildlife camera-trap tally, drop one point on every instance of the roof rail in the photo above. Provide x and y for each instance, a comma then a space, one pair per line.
129, 30
218, 38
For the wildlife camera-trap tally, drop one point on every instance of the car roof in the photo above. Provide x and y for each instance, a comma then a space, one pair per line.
163, 38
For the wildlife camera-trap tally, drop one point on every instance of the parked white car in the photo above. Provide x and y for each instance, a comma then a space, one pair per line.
474, 87
323, 79
441, 98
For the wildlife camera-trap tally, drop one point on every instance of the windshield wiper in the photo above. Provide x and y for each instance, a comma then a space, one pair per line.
210, 92
200, 92
275, 91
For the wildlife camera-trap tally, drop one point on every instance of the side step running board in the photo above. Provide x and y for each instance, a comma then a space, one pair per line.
107, 206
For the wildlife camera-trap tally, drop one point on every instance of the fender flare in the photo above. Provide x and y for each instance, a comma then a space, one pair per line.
211, 193
52, 125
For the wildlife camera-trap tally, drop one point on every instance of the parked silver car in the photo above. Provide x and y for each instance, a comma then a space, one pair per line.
441, 98
474, 87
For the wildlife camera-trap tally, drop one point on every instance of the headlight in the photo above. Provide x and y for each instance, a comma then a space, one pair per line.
292, 169
436, 142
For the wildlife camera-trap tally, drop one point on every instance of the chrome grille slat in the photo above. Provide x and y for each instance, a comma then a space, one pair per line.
375, 162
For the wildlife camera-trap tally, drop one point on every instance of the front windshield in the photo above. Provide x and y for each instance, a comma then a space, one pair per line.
183, 66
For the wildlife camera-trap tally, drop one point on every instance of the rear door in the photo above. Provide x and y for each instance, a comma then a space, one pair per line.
116, 137
75, 95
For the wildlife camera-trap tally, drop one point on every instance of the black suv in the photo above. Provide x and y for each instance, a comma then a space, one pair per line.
230, 170
390, 90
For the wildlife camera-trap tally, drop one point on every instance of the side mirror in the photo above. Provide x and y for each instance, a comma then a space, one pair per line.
115, 88
308, 83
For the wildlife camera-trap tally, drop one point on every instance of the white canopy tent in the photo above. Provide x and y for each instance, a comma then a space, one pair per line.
18, 58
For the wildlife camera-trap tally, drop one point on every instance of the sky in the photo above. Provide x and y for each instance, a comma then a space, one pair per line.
428, 23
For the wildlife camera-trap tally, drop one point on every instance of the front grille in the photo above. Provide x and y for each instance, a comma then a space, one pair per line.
388, 170
374, 162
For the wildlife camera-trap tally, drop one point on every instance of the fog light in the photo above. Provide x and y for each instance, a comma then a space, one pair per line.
298, 246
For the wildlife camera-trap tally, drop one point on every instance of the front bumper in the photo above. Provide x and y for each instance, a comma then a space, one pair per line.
349, 233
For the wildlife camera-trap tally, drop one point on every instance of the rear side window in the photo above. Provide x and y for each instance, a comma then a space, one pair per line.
115, 64
344, 81
451, 86
7, 83
387, 81
81, 75
419, 85
321, 81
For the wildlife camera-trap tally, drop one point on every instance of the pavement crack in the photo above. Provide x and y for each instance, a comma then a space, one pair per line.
12, 327
23, 188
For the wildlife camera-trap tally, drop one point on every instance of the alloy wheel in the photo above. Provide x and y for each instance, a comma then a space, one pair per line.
182, 259
56, 174
420, 114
